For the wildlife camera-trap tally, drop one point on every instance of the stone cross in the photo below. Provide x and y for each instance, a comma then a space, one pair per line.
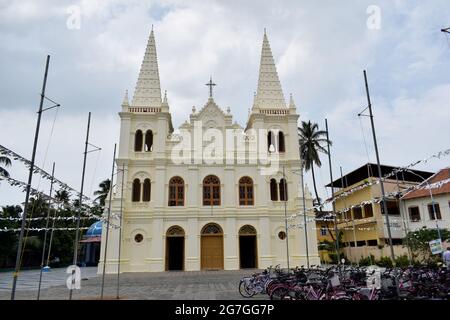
210, 84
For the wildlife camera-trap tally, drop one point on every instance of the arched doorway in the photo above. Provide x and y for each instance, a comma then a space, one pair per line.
175, 248
248, 252
211, 247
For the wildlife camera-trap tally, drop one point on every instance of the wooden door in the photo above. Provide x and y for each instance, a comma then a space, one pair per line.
212, 252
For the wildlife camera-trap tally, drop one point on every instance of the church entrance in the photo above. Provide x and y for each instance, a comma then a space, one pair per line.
211, 247
175, 248
248, 258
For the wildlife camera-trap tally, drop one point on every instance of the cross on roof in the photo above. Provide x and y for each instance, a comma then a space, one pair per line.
211, 84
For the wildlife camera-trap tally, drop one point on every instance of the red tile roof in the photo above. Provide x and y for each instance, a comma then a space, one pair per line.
92, 239
440, 176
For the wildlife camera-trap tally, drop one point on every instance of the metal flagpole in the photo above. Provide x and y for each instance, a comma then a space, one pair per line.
403, 217
386, 213
432, 201
304, 217
30, 177
46, 231
353, 221
285, 217
75, 249
107, 221
379, 169
120, 232
332, 196
51, 239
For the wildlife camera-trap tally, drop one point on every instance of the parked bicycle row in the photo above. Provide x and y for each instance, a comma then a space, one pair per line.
348, 283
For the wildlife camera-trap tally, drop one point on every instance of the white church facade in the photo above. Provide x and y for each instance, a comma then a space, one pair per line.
213, 194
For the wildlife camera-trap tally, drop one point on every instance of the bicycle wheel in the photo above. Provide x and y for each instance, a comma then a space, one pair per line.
243, 290
278, 293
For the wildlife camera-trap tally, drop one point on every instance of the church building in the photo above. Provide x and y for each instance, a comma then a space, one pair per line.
212, 195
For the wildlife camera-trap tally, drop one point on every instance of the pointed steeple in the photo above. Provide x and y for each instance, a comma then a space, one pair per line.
148, 89
269, 94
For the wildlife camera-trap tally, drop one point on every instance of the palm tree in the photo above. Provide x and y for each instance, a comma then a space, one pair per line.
102, 193
311, 141
62, 196
5, 161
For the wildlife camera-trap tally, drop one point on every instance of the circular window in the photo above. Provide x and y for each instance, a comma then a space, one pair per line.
138, 238
282, 235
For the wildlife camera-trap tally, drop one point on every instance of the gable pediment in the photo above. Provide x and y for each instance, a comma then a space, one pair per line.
212, 116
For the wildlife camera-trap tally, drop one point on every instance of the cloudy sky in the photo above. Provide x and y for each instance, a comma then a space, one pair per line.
96, 48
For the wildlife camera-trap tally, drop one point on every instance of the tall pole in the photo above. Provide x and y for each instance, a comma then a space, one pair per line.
107, 221
388, 226
28, 188
386, 213
75, 245
46, 231
285, 217
353, 221
332, 195
403, 217
432, 201
120, 232
304, 217
51, 238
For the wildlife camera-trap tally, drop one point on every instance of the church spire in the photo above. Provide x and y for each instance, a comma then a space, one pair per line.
148, 89
269, 94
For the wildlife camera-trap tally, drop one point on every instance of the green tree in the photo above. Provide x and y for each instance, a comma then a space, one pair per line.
63, 196
418, 242
4, 162
8, 240
102, 193
312, 142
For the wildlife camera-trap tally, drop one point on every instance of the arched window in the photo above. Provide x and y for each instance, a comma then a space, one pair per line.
245, 191
136, 192
211, 191
147, 191
270, 141
138, 141
176, 192
148, 141
273, 190
281, 146
211, 228
283, 190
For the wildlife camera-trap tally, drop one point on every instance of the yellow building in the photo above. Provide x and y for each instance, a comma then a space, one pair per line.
359, 210
324, 234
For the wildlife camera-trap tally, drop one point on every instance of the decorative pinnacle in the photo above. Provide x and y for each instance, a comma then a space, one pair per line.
125, 99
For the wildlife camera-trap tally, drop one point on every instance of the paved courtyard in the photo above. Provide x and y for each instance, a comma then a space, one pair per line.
194, 285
